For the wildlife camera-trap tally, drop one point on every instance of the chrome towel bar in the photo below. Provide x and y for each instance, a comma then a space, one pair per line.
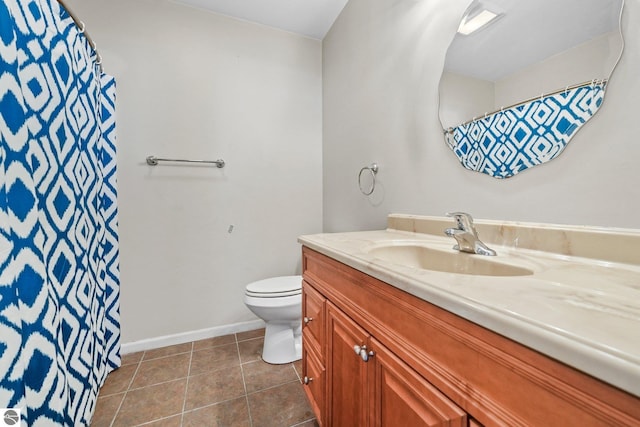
153, 161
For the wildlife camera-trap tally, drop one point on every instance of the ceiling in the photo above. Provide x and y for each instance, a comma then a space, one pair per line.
312, 18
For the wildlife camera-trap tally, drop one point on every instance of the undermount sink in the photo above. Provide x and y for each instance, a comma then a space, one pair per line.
428, 258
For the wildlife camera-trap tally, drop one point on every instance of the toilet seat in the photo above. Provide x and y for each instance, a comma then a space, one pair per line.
272, 294
275, 287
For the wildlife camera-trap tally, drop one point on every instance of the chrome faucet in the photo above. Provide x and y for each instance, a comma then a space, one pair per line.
466, 235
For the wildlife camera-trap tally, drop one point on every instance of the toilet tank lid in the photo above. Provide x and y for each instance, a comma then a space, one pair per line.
276, 285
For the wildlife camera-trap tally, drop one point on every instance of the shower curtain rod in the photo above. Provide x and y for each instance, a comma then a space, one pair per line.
83, 30
517, 104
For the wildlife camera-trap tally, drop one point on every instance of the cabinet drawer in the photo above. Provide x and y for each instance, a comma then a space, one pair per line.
313, 318
314, 381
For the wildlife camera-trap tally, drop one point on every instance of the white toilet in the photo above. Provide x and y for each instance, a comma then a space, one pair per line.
278, 301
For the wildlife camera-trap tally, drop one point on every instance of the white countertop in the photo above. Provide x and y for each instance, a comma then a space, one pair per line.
580, 311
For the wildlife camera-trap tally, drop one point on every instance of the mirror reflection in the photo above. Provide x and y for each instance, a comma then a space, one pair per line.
518, 86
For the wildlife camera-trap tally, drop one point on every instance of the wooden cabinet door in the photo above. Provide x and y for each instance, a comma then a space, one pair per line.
401, 397
347, 372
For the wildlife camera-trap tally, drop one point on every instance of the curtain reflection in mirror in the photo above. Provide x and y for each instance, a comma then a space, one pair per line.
511, 140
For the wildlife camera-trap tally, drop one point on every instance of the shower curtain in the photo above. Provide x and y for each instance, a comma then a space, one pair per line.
59, 278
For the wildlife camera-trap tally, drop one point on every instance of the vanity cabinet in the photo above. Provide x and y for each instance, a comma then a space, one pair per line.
418, 365
364, 383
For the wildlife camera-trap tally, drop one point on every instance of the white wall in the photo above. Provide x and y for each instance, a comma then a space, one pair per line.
192, 84
382, 62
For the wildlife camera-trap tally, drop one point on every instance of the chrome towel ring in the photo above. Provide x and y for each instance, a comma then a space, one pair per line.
373, 170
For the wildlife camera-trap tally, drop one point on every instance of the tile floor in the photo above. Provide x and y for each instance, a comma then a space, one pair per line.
214, 382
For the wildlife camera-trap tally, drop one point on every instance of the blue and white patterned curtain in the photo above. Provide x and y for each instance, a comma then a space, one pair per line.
510, 141
59, 279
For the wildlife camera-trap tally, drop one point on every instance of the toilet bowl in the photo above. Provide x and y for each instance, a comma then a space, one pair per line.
278, 301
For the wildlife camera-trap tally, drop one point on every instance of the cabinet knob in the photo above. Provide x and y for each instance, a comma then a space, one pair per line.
307, 320
366, 355
362, 352
307, 380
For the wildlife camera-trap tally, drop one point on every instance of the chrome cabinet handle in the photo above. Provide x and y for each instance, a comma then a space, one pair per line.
307, 320
365, 356
307, 380
362, 352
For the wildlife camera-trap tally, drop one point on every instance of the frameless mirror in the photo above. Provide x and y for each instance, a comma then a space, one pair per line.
514, 91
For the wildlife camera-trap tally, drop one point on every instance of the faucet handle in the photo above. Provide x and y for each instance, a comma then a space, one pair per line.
463, 220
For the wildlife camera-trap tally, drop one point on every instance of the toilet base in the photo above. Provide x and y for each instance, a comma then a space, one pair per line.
282, 343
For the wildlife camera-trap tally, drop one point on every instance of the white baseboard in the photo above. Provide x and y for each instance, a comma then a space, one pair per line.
152, 343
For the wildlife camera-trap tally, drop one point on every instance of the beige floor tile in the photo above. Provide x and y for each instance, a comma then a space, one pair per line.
118, 381
251, 350
260, 375
309, 423
214, 342
131, 358
285, 405
232, 413
151, 403
106, 408
214, 394
298, 367
257, 333
162, 370
167, 351
175, 421
213, 359
214, 387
